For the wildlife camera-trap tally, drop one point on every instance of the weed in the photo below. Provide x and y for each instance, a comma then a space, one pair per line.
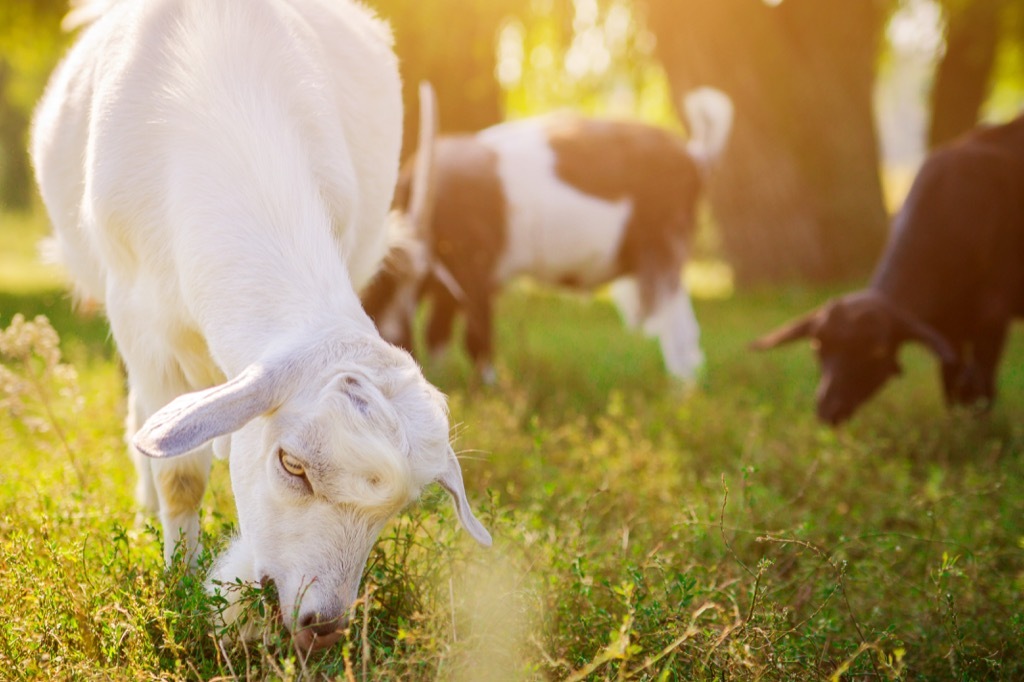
642, 532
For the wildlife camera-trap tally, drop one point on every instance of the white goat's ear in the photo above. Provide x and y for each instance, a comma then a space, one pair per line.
451, 480
192, 419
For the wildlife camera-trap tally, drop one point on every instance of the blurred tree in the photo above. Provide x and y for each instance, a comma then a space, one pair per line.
1006, 95
975, 31
798, 194
590, 55
15, 173
451, 43
30, 44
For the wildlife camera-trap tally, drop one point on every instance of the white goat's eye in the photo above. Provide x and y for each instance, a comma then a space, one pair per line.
292, 465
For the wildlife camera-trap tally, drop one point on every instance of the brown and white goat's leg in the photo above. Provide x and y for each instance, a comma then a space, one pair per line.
443, 308
674, 323
479, 333
625, 292
663, 309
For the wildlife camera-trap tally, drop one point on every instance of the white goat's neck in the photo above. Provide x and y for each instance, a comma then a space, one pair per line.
279, 269
251, 312
270, 225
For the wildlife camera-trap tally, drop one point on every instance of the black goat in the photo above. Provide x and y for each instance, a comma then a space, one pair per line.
952, 278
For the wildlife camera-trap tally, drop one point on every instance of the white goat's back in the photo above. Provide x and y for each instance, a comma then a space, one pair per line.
270, 109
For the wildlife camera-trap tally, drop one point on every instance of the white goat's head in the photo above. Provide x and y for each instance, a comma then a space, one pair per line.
325, 445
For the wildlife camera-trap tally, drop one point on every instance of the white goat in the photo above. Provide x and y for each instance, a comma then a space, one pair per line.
218, 175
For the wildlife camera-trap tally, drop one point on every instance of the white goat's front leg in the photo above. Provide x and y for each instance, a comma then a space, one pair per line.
173, 488
236, 565
145, 488
180, 485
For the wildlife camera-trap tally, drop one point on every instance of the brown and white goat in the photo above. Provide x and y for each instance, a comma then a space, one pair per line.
952, 278
566, 200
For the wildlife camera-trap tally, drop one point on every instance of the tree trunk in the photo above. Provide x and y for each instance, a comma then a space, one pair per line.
963, 75
797, 194
450, 43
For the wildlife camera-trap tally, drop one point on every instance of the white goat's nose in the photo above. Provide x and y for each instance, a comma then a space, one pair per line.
316, 631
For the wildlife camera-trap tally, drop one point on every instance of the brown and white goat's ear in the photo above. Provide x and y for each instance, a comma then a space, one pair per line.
794, 330
451, 480
909, 328
193, 419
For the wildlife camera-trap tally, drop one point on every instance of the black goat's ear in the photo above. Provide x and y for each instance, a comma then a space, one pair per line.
909, 328
793, 330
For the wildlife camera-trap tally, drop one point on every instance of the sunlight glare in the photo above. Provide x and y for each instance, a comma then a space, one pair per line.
542, 57
509, 69
617, 25
916, 26
586, 15
588, 54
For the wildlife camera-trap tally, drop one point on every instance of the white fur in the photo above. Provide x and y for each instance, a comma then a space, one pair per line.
672, 322
218, 175
555, 231
709, 114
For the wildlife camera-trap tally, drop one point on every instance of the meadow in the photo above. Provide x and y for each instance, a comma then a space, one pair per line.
643, 530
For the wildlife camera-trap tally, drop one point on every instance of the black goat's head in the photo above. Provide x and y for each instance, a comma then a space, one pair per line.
857, 338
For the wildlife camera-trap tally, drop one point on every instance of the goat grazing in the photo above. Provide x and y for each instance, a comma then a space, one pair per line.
952, 278
218, 175
567, 200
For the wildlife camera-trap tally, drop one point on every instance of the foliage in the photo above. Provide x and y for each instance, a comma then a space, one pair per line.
1007, 94
592, 55
643, 530
30, 43
509, 58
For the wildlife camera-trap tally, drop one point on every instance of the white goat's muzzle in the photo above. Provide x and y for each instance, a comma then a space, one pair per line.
317, 632
318, 621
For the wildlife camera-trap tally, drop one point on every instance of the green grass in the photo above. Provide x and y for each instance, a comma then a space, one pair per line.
641, 531
20, 268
